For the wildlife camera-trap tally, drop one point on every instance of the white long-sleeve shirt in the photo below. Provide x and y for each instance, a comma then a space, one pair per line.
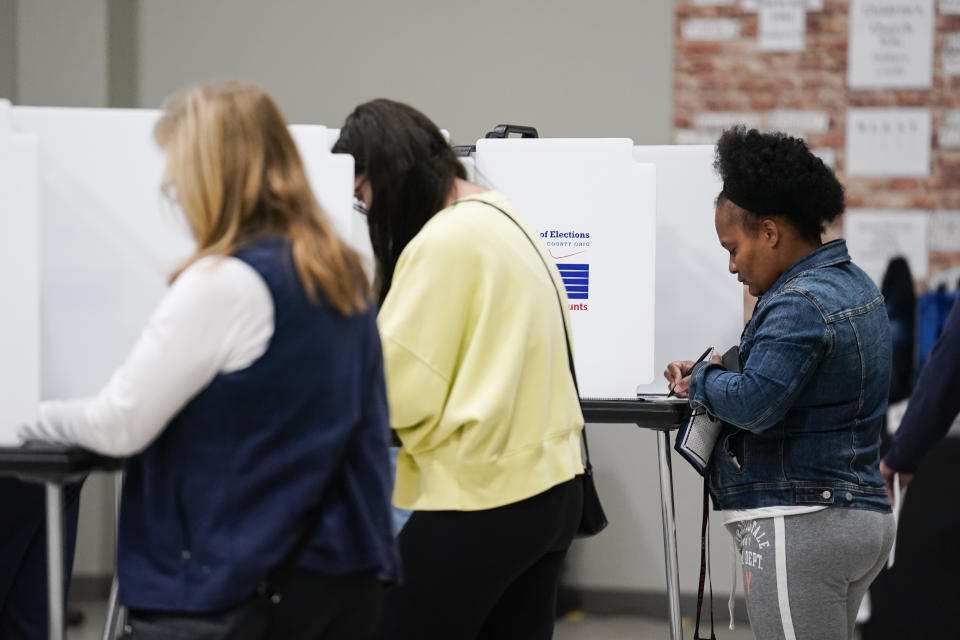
216, 318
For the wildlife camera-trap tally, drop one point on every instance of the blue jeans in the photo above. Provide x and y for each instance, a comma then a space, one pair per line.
400, 516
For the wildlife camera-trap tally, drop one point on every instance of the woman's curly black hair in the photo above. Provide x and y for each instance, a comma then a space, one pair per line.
773, 174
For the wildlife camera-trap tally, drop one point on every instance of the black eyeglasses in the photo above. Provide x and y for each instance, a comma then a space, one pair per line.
169, 191
358, 204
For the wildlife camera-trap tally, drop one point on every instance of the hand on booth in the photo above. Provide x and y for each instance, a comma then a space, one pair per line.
678, 372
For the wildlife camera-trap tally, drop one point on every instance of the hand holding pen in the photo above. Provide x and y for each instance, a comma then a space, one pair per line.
678, 373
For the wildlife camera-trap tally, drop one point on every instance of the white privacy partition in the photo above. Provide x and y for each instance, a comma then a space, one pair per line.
699, 302
595, 209
108, 238
19, 278
331, 177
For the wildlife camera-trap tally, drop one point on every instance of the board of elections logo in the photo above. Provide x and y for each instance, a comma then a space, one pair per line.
576, 276
576, 280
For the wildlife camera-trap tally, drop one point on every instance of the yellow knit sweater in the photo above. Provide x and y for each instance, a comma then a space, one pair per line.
478, 383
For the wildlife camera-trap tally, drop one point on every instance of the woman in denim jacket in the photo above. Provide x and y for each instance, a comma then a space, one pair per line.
796, 468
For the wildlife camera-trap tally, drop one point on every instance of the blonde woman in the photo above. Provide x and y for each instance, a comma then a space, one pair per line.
256, 500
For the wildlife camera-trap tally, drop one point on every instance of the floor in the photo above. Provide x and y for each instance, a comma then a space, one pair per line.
573, 627
632, 627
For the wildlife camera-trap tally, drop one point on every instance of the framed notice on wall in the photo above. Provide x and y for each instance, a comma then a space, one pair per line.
888, 142
874, 237
891, 44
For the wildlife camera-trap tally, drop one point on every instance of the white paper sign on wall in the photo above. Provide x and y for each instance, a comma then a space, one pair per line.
781, 25
710, 29
719, 120
949, 135
950, 7
875, 236
798, 121
891, 44
888, 142
754, 5
827, 154
950, 55
945, 230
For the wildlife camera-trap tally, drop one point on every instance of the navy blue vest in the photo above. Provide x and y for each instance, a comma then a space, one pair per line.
223, 494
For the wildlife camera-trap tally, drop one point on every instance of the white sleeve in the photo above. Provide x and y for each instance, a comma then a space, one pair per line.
217, 316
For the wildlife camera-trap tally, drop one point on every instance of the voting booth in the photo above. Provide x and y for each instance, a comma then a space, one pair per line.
88, 243
631, 231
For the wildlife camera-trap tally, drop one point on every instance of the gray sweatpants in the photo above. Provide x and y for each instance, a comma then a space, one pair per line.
805, 575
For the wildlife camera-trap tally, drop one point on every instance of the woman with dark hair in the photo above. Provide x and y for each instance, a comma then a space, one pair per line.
795, 469
478, 384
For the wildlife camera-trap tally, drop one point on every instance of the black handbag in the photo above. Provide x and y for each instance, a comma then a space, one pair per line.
592, 519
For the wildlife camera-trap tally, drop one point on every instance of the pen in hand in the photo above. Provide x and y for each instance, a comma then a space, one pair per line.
702, 357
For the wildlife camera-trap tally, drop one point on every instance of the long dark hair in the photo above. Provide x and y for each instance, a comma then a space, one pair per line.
411, 170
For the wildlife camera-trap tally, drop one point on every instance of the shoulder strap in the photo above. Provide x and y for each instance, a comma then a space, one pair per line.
563, 316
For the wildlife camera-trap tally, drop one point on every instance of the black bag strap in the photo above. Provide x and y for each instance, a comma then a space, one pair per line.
704, 564
588, 468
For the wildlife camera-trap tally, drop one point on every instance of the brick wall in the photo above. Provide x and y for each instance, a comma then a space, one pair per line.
736, 76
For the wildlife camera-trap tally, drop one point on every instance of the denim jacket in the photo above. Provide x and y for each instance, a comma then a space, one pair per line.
802, 420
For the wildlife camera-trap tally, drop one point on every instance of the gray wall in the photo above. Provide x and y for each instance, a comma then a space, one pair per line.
62, 53
570, 68
61, 60
8, 50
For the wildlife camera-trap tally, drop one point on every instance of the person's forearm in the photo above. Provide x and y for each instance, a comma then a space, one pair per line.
933, 406
742, 400
217, 317
935, 402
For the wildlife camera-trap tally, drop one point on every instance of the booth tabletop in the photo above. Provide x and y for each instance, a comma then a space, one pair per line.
60, 463
661, 415
53, 462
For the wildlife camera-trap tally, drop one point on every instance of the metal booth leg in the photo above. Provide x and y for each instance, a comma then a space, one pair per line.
55, 559
111, 628
669, 533
115, 613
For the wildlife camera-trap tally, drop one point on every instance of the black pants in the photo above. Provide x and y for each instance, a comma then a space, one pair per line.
483, 574
913, 599
23, 556
314, 606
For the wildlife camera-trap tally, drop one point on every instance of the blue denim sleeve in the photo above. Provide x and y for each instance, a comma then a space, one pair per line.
791, 338
934, 404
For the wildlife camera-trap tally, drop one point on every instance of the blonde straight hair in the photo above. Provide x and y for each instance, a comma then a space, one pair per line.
234, 169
